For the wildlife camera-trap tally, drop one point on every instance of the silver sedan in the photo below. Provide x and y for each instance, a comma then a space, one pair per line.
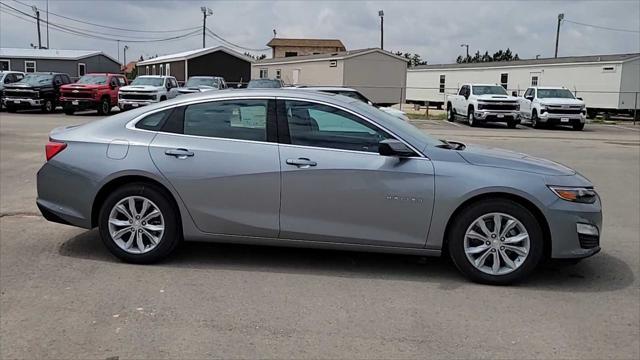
291, 168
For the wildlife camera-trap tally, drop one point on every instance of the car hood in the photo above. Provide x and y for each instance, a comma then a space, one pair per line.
496, 97
18, 85
506, 159
141, 88
560, 101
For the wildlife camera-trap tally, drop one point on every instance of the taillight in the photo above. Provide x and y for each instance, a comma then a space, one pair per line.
53, 148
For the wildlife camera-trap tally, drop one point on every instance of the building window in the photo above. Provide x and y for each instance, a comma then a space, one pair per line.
82, 69
504, 80
534, 81
609, 69
264, 73
153, 70
290, 53
146, 70
278, 74
442, 79
5, 65
167, 69
161, 69
29, 66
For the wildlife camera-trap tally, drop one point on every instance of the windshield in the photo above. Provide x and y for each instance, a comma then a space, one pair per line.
264, 83
93, 79
555, 93
398, 124
489, 90
37, 79
195, 82
148, 81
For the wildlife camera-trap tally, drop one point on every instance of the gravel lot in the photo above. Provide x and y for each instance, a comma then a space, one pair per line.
64, 296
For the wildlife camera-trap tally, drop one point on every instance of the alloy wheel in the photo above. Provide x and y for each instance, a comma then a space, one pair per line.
496, 243
136, 224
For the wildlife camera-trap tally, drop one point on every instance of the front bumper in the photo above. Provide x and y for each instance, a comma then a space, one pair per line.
496, 116
562, 119
22, 102
79, 103
570, 240
122, 104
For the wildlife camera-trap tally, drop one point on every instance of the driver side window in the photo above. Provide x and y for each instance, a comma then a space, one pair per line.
319, 125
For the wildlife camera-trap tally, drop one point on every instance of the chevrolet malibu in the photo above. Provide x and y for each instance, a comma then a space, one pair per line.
291, 168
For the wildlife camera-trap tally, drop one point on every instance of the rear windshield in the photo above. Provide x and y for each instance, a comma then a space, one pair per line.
37, 79
213, 82
489, 90
555, 93
148, 81
264, 84
93, 79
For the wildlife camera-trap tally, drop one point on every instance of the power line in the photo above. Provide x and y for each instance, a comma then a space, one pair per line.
214, 35
112, 27
602, 27
89, 35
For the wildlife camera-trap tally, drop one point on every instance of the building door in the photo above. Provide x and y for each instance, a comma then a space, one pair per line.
296, 76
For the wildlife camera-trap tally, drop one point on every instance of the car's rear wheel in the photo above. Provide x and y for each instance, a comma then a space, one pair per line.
450, 115
535, 122
104, 107
11, 108
495, 242
69, 110
138, 224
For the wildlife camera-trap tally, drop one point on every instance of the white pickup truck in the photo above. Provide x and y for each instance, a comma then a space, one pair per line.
482, 103
548, 106
147, 89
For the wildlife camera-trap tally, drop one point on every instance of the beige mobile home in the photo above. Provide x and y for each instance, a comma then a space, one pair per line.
605, 82
378, 74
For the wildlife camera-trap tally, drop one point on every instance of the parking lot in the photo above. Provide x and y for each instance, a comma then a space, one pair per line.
64, 296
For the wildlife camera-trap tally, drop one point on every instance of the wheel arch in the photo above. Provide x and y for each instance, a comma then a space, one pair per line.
114, 183
533, 208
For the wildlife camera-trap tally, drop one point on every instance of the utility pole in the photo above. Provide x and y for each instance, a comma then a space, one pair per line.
118, 45
124, 50
205, 12
47, 24
467, 46
381, 14
560, 18
35, 9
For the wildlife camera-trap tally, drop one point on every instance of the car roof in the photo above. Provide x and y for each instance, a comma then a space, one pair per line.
327, 88
155, 76
550, 87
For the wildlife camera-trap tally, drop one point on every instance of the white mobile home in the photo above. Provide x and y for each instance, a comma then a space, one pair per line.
605, 82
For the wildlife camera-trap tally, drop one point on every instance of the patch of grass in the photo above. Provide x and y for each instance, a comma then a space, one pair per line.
422, 116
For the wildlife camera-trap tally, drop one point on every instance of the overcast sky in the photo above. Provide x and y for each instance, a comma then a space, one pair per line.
432, 29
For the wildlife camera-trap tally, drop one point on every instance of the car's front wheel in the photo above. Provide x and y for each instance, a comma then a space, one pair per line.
496, 242
104, 108
471, 118
138, 224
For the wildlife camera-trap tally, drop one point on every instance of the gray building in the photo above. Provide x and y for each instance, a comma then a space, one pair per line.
378, 74
73, 62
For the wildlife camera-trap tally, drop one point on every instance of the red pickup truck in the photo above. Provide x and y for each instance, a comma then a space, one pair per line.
92, 91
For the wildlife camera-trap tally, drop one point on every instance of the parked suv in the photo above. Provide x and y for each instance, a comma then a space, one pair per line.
202, 83
147, 89
8, 77
92, 91
35, 90
552, 106
482, 103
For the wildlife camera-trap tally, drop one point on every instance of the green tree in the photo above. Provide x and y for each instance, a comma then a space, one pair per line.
500, 55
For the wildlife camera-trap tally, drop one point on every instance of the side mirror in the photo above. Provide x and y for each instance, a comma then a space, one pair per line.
530, 98
112, 86
392, 147
579, 98
57, 83
514, 93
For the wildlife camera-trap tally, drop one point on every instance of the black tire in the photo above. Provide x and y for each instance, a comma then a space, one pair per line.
451, 117
163, 98
578, 126
471, 118
69, 110
464, 220
535, 123
49, 106
591, 113
172, 232
11, 108
512, 124
104, 108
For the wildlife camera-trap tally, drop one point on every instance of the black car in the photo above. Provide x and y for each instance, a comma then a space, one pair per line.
35, 90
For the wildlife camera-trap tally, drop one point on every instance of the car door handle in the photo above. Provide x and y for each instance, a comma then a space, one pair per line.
301, 162
179, 153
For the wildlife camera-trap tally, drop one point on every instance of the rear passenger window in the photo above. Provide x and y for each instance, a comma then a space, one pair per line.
231, 119
154, 121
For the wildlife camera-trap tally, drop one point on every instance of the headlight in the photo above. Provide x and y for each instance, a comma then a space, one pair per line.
518, 107
575, 194
480, 106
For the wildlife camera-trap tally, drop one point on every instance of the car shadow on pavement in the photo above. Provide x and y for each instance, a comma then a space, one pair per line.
603, 272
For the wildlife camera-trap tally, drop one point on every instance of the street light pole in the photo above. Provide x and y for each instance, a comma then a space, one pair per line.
381, 14
560, 18
35, 9
205, 12
467, 46
124, 50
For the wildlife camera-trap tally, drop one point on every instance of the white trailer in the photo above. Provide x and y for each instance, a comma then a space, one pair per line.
607, 83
